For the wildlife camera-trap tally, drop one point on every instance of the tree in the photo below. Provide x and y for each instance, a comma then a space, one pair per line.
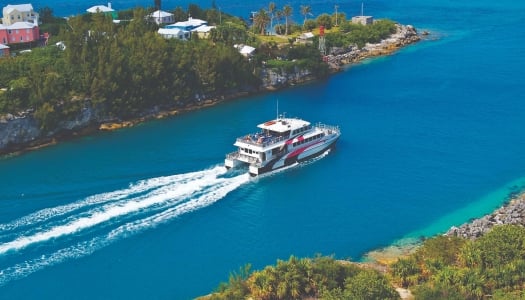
369, 284
306, 10
271, 11
287, 13
325, 20
260, 21
405, 268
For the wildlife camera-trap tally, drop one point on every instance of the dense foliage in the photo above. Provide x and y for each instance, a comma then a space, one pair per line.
123, 68
126, 69
455, 268
357, 34
320, 277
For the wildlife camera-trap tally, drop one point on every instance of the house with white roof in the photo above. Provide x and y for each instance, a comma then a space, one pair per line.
174, 33
19, 32
203, 31
188, 25
183, 30
19, 13
107, 10
245, 50
162, 17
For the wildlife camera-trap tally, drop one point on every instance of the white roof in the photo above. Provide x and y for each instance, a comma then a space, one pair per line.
99, 8
172, 31
160, 14
20, 7
19, 25
282, 125
306, 35
203, 28
190, 22
2, 46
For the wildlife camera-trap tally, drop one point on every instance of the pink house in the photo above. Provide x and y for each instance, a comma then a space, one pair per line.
20, 32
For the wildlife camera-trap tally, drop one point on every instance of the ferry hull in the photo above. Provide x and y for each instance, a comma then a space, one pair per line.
286, 161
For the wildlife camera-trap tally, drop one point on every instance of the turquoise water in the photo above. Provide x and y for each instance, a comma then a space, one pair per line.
431, 137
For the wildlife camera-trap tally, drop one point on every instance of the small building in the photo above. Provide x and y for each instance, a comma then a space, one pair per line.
174, 33
19, 13
363, 20
162, 17
203, 31
245, 50
4, 50
107, 10
305, 38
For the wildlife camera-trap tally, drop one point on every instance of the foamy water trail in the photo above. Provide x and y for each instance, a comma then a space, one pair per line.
134, 189
171, 191
214, 192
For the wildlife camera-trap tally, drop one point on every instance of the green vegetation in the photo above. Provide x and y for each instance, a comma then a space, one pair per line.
455, 268
442, 268
320, 277
357, 34
124, 70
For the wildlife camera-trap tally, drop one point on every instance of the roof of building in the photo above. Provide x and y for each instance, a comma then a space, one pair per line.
244, 49
99, 8
19, 7
160, 14
2, 46
173, 31
204, 28
19, 25
191, 22
306, 35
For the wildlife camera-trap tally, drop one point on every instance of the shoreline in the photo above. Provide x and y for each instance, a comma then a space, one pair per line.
512, 212
404, 36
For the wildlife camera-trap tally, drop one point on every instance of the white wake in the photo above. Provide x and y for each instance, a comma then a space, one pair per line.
111, 216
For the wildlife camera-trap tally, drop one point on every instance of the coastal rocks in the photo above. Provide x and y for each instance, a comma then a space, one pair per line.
277, 78
16, 130
511, 213
404, 35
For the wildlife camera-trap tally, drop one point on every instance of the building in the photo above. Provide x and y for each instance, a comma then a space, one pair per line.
162, 17
245, 50
305, 38
174, 33
188, 25
107, 10
4, 50
19, 13
203, 31
183, 30
20, 32
363, 20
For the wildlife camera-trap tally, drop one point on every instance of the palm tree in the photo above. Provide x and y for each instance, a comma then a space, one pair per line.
279, 15
287, 12
271, 11
260, 21
305, 11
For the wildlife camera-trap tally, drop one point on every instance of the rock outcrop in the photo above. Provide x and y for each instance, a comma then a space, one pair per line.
404, 35
511, 213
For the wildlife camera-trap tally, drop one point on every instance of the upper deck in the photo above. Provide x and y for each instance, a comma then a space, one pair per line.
280, 130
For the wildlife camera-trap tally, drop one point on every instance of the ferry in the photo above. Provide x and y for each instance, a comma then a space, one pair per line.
280, 143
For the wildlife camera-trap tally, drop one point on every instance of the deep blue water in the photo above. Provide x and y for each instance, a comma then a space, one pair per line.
432, 136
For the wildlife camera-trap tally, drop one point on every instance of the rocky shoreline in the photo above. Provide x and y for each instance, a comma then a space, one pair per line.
20, 133
512, 212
